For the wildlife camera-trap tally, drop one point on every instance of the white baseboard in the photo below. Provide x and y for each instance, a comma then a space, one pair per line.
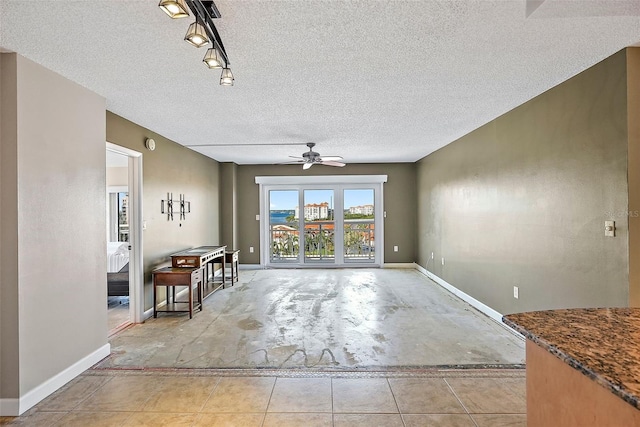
462, 295
16, 407
250, 267
399, 265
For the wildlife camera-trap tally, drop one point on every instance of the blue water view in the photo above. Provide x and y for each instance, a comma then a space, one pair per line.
280, 217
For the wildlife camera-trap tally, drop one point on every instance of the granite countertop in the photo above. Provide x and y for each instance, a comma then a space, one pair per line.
602, 343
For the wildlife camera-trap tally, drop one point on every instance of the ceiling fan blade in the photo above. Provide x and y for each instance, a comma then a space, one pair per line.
332, 163
330, 158
307, 166
299, 162
297, 157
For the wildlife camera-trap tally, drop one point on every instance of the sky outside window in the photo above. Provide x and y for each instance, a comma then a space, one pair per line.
288, 199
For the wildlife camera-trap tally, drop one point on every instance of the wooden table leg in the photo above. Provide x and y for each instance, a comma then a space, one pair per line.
224, 275
155, 302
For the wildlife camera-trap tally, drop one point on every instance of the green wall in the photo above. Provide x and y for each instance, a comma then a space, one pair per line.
399, 203
170, 168
522, 200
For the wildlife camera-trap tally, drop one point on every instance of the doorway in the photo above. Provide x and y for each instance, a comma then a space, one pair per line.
124, 237
335, 221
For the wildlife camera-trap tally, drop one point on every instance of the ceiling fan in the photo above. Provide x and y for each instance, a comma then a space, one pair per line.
311, 158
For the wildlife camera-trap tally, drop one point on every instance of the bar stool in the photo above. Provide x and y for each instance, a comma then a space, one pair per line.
231, 256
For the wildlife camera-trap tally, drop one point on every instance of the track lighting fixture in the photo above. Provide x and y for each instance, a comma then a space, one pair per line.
226, 79
174, 8
202, 32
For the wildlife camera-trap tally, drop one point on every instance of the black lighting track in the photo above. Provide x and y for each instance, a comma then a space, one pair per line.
205, 12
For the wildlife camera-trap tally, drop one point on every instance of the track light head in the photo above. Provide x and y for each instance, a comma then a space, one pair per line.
226, 79
174, 8
196, 35
213, 58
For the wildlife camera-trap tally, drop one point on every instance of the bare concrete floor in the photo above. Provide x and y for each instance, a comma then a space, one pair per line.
325, 319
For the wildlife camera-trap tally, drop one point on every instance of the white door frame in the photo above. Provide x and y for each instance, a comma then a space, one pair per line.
136, 265
335, 182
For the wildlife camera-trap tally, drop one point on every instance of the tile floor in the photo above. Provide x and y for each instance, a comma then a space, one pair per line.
492, 398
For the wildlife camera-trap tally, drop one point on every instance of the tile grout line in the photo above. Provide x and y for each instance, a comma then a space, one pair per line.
215, 387
73, 409
266, 410
396, 402
459, 400
333, 421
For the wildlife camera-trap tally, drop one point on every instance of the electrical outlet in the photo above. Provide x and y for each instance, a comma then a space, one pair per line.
442, 261
431, 255
250, 249
516, 292
395, 249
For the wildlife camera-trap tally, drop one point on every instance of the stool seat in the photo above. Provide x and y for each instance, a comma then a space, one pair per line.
232, 256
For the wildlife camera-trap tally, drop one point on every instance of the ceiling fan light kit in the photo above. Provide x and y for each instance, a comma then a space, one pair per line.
311, 158
202, 32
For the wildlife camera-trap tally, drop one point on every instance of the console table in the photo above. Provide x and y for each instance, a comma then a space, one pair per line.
232, 257
171, 277
203, 257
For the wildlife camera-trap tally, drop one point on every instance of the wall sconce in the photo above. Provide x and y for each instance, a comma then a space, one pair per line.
166, 207
185, 207
168, 210
202, 31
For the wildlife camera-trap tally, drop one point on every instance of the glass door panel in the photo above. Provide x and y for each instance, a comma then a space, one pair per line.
284, 234
319, 226
359, 228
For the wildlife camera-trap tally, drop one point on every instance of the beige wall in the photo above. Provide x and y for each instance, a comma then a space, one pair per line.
399, 203
229, 204
522, 201
171, 168
9, 297
633, 112
53, 159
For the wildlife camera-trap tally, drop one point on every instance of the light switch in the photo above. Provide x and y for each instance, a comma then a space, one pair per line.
257, 217
610, 228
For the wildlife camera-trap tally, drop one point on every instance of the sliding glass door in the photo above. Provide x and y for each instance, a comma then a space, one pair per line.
359, 225
284, 234
337, 224
319, 226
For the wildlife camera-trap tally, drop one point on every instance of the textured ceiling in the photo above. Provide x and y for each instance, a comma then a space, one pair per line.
372, 81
